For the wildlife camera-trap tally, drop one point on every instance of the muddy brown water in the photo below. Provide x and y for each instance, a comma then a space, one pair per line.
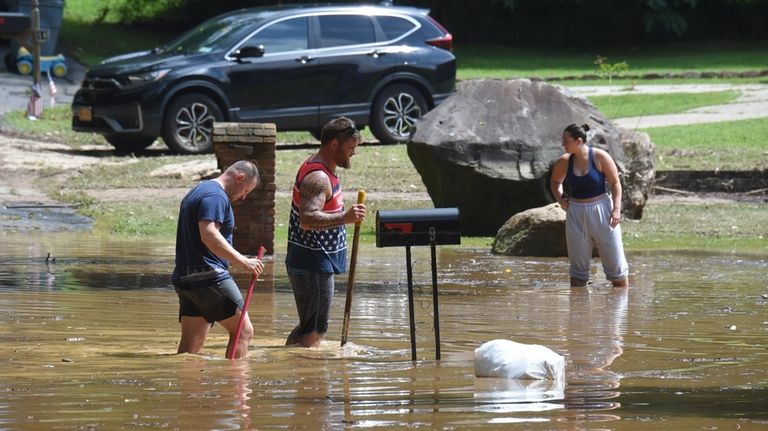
87, 343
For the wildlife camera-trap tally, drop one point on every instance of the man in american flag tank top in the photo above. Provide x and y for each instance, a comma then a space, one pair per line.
317, 245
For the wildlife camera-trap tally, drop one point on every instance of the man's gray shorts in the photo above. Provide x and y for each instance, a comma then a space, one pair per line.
313, 292
215, 301
588, 225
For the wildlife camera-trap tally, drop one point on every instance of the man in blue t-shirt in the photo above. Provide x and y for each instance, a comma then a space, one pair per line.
207, 293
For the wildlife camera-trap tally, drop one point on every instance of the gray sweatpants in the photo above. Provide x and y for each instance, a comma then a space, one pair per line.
587, 225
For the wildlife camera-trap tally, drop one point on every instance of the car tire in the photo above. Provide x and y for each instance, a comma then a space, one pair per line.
10, 63
126, 144
188, 124
395, 112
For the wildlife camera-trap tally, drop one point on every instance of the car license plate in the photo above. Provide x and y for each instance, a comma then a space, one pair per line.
85, 114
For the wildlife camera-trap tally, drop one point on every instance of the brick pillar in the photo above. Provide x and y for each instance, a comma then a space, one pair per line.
254, 217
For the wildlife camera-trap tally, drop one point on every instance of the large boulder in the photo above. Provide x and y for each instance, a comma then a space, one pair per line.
488, 149
533, 232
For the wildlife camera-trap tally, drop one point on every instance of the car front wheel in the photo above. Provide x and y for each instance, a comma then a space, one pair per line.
188, 124
395, 112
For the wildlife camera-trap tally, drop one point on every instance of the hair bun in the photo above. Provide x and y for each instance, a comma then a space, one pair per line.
585, 126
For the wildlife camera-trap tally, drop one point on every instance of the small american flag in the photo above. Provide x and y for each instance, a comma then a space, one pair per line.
35, 105
52, 90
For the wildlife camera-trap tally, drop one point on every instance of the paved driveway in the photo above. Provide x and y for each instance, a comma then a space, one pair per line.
15, 88
753, 103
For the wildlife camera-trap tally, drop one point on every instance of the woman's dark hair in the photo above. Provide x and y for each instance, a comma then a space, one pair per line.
575, 131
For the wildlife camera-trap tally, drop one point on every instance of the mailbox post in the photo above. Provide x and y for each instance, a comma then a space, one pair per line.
407, 228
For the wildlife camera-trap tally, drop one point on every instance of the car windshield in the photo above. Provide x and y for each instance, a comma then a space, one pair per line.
218, 33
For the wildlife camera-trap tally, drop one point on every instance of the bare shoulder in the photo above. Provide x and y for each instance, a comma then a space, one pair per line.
559, 168
315, 183
562, 160
601, 153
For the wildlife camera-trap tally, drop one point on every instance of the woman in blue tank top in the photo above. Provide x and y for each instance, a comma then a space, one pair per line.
592, 215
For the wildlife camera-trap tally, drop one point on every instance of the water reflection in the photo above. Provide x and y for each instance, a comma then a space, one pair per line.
88, 343
595, 338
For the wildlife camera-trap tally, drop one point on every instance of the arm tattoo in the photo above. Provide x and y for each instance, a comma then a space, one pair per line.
315, 190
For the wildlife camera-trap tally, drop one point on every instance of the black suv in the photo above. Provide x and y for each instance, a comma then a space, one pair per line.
297, 67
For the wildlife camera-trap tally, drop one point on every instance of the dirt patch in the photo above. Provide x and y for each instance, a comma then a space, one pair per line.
25, 160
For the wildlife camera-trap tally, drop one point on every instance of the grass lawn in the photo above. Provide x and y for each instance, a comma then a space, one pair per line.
728, 145
733, 227
637, 105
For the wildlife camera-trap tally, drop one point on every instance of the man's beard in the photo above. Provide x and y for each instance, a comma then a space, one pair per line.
344, 162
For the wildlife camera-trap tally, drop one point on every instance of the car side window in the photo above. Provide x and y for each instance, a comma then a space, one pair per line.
341, 30
395, 27
282, 36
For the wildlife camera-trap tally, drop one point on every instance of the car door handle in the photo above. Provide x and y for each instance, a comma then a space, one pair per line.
305, 59
376, 53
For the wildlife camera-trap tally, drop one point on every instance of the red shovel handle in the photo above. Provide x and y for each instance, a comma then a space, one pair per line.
233, 349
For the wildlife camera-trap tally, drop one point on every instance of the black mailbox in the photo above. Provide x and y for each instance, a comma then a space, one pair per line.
404, 228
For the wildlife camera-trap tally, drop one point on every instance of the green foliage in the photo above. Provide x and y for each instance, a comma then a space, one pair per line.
665, 15
609, 70
118, 11
515, 22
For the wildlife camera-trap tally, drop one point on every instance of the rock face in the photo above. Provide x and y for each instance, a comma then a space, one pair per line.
489, 148
534, 232
639, 176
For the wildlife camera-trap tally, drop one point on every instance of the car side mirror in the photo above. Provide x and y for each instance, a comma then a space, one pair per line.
249, 52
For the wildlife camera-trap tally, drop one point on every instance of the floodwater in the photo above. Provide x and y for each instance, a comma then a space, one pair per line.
87, 342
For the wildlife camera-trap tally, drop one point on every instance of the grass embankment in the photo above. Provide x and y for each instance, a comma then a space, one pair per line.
727, 227
727, 145
730, 145
386, 173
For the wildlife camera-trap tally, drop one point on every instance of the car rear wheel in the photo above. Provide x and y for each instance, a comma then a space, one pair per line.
125, 144
188, 124
395, 112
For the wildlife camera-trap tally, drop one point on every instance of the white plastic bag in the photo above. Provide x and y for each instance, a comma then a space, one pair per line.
511, 360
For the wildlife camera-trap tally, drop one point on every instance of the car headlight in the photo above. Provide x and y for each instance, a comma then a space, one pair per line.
144, 77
